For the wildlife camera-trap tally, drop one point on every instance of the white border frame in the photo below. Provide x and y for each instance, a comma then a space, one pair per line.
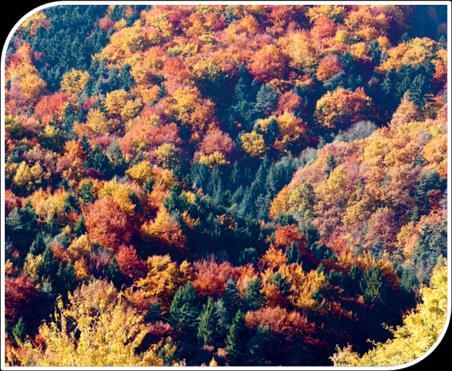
3, 366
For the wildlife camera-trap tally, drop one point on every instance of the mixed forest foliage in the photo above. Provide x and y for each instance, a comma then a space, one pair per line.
226, 185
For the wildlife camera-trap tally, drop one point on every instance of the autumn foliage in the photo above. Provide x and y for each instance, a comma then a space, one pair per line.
225, 185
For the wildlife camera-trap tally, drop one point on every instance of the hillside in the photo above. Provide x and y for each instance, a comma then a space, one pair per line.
224, 185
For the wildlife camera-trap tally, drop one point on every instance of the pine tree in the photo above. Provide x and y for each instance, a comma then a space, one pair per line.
253, 296
154, 312
223, 320
258, 347
428, 182
266, 100
79, 227
373, 286
99, 161
207, 324
431, 244
293, 254
272, 132
330, 165
418, 89
21, 227
114, 273
234, 177
235, 340
86, 193
49, 265
19, 330
281, 283
65, 280
38, 246
231, 297
242, 110
183, 313
118, 162
308, 230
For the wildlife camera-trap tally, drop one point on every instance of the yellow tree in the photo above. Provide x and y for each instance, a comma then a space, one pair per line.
74, 81
163, 279
96, 328
253, 143
417, 334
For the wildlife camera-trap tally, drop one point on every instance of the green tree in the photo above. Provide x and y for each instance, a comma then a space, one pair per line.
99, 161
223, 319
235, 340
231, 297
207, 324
374, 287
117, 160
431, 245
19, 330
184, 312
293, 254
21, 226
330, 164
281, 283
38, 245
242, 110
258, 347
266, 100
253, 295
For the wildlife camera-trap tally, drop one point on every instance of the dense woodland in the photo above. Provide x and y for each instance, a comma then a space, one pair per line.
226, 185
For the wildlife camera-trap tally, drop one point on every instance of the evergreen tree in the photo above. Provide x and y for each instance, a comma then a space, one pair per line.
281, 283
21, 226
86, 192
309, 231
114, 274
99, 161
258, 347
293, 254
207, 324
244, 97
330, 165
272, 132
53, 226
266, 100
231, 297
431, 245
428, 183
253, 295
38, 246
183, 313
223, 320
19, 330
154, 312
72, 114
118, 162
65, 280
418, 90
79, 227
374, 287
71, 28
234, 344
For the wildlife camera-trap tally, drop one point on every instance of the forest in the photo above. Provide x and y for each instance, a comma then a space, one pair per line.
225, 185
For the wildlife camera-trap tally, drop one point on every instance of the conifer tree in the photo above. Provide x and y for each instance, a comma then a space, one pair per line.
253, 296
231, 297
183, 313
207, 324
235, 340
223, 319
19, 330
258, 347
266, 100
